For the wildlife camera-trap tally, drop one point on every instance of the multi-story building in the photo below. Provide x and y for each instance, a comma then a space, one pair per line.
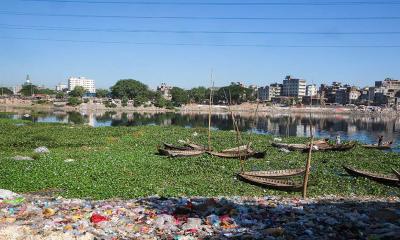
275, 90
311, 90
268, 92
329, 92
347, 95
263, 94
61, 87
293, 87
87, 84
387, 91
165, 91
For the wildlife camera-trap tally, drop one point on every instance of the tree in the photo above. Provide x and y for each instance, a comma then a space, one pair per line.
28, 90
235, 94
78, 91
46, 91
131, 89
179, 96
102, 93
60, 95
5, 91
198, 95
161, 102
124, 101
74, 101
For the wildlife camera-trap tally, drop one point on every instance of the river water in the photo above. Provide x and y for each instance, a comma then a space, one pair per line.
361, 128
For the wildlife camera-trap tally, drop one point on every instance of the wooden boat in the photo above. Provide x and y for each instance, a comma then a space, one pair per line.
277, 173
174, 147
279, 184
196, 146
243, 154
180, 153
334, 147
385, 146
387, 179
397, 173
236, 149
291, 147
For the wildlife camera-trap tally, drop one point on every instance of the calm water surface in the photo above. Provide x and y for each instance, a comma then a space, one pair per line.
365, 129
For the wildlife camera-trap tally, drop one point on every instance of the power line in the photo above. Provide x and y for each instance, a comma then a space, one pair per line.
201, 18
200, 44
271, 3
116, 30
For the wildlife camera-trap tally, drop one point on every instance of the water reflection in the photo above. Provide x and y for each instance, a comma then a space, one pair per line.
364, 128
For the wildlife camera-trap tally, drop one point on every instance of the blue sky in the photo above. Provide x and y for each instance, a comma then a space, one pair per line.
51, 62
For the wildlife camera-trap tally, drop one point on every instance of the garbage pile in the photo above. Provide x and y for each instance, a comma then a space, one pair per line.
44, 217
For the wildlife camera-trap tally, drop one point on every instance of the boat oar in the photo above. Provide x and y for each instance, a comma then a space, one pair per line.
397, 173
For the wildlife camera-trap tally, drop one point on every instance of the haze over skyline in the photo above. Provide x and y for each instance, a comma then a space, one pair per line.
111, 41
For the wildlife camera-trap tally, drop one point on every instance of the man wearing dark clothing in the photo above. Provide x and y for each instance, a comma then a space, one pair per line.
380, 140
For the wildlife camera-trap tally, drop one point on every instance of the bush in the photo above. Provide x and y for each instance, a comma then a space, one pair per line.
74, 101
86, 100
124, 101
107, 104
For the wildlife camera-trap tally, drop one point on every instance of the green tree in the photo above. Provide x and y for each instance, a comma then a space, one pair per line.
234, 93
60, 95
198, 94
161, 102
179, 96
131, 89
124, 101
46, 91
5, 91
28, 90
102, 93
74, 101
78, 91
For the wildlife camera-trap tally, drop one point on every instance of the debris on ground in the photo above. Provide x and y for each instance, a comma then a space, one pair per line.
22, 158
42, 150
193, 218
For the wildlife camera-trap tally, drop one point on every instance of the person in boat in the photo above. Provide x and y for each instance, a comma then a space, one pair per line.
338, 141
380, 141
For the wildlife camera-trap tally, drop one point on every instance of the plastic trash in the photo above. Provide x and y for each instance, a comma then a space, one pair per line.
42, 150
284, 150
7, 194
22, 158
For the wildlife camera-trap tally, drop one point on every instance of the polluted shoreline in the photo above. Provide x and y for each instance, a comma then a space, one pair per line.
41, 216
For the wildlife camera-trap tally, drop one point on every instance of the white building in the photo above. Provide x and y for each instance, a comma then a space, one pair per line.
165, 91
293, 87
311, 90
16, 89
87, 84
61, 87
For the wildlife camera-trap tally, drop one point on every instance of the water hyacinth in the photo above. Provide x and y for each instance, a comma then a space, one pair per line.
122, 162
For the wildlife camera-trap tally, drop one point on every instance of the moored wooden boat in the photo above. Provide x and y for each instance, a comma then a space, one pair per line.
334, 147
196, 146
397, 173
386, 146
279, 184
291, 147
243, 154
180, 153
387, 179
169, 146
277, 173
236, 149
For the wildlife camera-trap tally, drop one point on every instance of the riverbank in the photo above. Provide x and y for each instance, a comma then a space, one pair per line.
244, 109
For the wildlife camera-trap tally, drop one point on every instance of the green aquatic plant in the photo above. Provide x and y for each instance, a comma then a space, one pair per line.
111, 162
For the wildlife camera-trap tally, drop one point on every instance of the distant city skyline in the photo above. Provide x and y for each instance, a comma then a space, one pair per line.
356, 44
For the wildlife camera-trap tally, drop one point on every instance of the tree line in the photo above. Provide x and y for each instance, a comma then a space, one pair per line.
140, 94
